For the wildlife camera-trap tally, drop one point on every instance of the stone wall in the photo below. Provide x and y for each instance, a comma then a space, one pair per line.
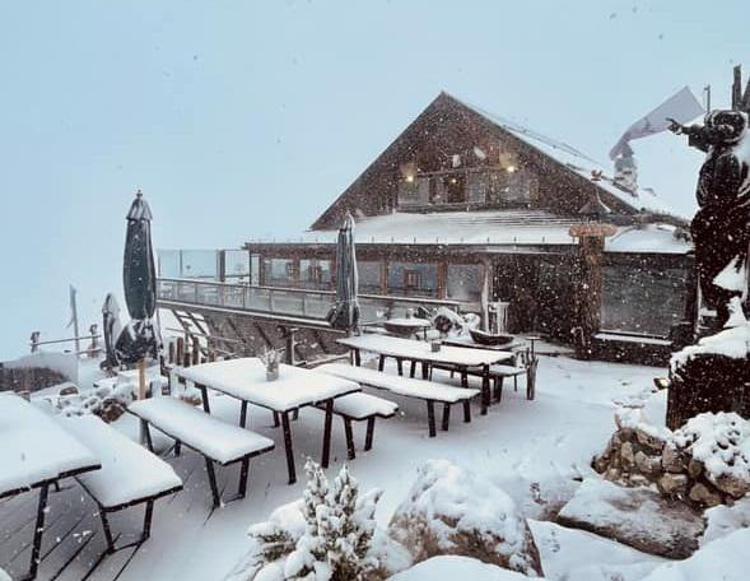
639, 454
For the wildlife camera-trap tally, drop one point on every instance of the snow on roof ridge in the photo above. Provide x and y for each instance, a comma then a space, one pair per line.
516, 127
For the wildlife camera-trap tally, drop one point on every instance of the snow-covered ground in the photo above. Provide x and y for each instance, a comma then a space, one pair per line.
537, 451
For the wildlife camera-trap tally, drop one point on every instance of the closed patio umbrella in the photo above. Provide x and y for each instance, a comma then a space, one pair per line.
344, 314
139, 338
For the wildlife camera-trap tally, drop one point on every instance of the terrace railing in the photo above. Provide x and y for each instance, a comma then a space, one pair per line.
282, 301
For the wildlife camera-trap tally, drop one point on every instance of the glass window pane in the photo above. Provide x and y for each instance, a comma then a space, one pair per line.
369, 277
465, 282
643, 300
412, 279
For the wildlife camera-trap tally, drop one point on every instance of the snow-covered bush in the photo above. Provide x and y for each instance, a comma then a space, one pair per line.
328, 535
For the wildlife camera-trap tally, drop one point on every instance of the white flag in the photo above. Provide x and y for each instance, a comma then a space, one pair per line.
682, 107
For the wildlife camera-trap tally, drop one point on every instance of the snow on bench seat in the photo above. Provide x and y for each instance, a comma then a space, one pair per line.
129, 473
361, 406
405, 386
208, 435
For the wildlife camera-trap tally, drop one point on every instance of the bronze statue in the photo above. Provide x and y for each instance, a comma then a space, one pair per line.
721, 227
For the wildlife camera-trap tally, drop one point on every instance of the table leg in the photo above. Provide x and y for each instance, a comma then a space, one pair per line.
36, 548
400, 366
357, 358
349, 433
244, 470
413, 369
381, 363
467, 411
204, 397
370, 433
243, 414
425, 370
485, 388
288, 446
327, 433
431, 418
446, 416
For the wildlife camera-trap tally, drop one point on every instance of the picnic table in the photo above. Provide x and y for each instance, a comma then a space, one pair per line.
461, 359
245, 379
36, 452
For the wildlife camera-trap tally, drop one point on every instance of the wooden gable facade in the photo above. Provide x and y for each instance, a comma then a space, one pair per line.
452, 141
445, 214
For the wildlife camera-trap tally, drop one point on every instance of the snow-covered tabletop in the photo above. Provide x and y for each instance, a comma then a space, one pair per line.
421, 351
245, 379
35, 448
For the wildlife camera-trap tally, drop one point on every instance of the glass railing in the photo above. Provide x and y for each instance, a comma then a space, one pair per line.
305, 303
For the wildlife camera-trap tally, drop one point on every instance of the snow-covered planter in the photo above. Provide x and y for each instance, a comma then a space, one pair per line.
451, 511
328, 535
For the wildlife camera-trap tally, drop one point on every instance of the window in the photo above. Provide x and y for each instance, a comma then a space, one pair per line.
454, 185
412, 279
315, 274
279, 271
465, 282
369, 277
413, 190
642, 299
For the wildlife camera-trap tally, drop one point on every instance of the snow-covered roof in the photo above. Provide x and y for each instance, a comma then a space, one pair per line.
495, 227
578, 162
656, 238
498, 228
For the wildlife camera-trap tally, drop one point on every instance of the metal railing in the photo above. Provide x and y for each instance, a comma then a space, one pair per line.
296, 302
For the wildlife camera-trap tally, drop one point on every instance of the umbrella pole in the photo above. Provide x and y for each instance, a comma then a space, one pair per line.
142, 395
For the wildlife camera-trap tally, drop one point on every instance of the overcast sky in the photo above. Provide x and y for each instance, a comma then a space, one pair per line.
246, 119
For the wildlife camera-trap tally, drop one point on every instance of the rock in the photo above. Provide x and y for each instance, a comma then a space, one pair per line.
695, 468
732, 485
451, 511
673, 484
672, 461
627, 454
699, 493
649, 440
68, 390
638, 517
647, 464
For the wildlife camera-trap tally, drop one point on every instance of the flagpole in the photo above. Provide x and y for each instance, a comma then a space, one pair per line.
74, 318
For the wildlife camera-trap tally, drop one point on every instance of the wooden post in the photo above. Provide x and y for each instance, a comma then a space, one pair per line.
588, 296
485, 296
142, 379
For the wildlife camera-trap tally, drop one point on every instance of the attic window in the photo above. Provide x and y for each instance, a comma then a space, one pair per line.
454, 186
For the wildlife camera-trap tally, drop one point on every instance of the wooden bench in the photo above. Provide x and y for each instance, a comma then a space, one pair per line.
429, 391
129, 474
216, 440
358, 407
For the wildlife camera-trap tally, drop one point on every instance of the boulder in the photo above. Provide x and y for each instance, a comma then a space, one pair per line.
732, 485
700, 494
638, 517
672, 461
451, 511
673, 484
